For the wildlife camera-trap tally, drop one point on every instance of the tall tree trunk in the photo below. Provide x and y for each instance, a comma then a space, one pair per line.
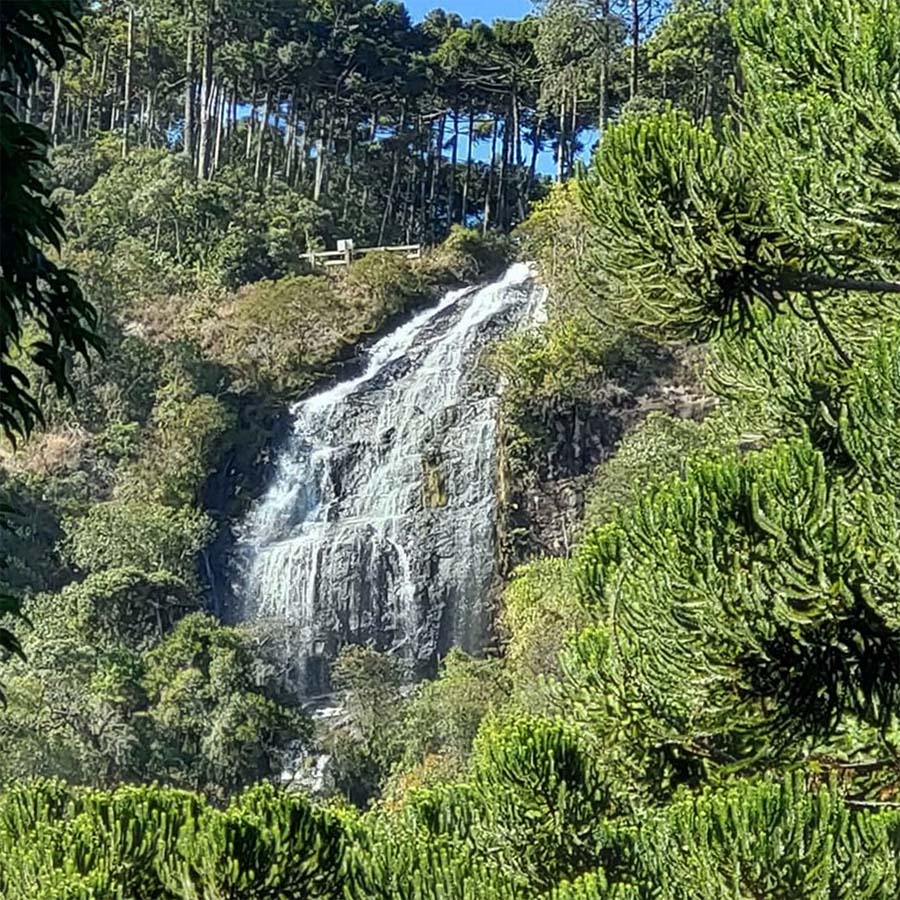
90, 99
451, 181
573, 135
464, 211
348, 181
395, 171
271, 152
129, 65
290, 135
487, 192
364, 203
603, 79
54, 116
519, 174
409, 197
517, 129
436, 173
221, 115
502, 177
561, 141
302, 154
103, 69
257, 167
425, 172
303, 149
635, 46
251, 121
146, 110
205, 104
329, 149
114, 103
188, 136
320, 163
536, 139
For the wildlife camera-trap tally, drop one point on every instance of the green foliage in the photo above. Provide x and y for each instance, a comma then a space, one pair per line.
681, 237
402, 864
59, 842
366, 744
187, 428
75, 703
694, 57
161, 843
266, 843
113, 688
574, 363
116, 605
35, 293
790, 381
171, 220
657, 448
264, 237
28, 553
443, 716
144, 535
381, 284
821, 79
568, 365
466, 256
730, 613
45, 318
546, 797
753, 595
700, 236
214, 721
78, 165
557, 236
757, 838
774, 839
282, 333
541, 607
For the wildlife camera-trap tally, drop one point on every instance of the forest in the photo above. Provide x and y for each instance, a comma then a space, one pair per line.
698, 696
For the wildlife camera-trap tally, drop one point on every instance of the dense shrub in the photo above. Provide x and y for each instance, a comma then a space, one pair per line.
136, 533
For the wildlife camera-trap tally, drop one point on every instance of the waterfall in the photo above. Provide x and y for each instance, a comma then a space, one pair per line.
378, 526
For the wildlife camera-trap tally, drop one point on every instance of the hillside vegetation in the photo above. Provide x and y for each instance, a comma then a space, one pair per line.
700, 701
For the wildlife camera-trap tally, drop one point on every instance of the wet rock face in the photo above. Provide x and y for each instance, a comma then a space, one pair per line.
542, 514
378, 526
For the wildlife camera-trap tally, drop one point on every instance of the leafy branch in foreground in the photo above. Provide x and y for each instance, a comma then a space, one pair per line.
44, 315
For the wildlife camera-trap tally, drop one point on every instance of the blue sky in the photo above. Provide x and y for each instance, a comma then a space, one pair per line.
486, 10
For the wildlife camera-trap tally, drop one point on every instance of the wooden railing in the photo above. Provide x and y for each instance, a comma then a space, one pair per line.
327, 258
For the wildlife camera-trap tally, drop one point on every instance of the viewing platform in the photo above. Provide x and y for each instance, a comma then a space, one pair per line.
347, 252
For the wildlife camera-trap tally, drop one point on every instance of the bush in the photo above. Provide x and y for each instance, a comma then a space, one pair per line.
658, 448
443, 716
143, 535
280, 332
216, 720
557, 237
466, 255
381, 284
541, 607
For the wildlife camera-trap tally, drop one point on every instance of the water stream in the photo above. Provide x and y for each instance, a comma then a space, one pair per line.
378, 526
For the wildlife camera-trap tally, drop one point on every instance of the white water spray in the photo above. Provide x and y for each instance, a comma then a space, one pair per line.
379, 524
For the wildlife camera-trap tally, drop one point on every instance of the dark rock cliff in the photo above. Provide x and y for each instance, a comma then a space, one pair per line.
542, 499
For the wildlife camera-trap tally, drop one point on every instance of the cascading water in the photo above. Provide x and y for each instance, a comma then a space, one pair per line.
379, 524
